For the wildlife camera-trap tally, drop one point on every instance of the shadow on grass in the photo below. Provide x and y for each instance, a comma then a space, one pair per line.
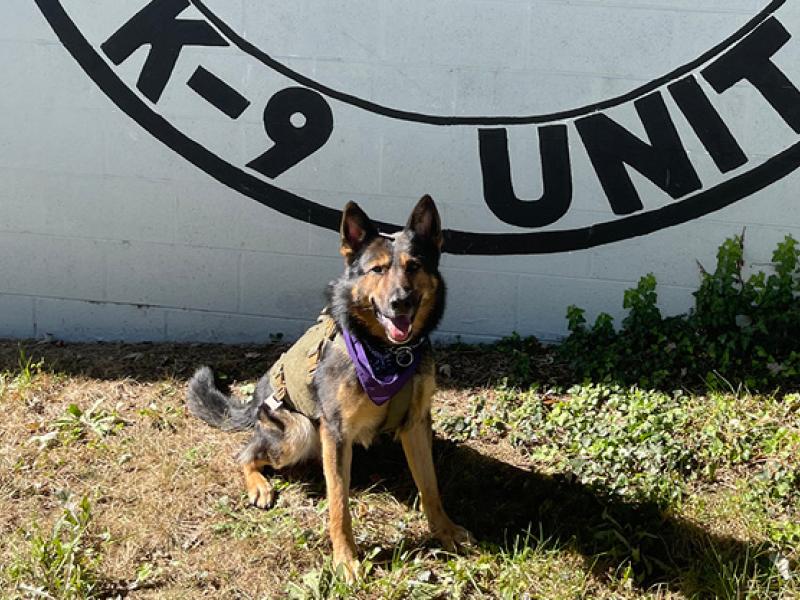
142, 362
519, 363
469, 366
499, 502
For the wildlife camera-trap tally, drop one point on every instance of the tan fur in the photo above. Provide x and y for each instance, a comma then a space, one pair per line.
336, 466
300, 441
259, 490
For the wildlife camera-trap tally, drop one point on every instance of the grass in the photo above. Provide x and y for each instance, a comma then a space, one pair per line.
574, 490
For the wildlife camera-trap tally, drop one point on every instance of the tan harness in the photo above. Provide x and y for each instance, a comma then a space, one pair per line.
293, 373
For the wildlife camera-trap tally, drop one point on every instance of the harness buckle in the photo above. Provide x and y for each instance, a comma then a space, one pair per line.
272, 403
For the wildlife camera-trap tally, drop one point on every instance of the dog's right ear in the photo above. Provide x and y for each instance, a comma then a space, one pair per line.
355, 231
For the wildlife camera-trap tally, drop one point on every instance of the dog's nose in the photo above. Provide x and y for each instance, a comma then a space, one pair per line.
400, 301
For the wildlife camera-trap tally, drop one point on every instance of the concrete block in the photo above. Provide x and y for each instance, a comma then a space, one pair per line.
194, 326
96, 206
23, 21
16, 317
458, 33
172, 275
350, 161
622, 41
127, 150
351, 31
543, 303
672, 255
774, 205
480, 302
211, 214
443, 162
52, 266
287, 286
577, 264
72, 320
63, 140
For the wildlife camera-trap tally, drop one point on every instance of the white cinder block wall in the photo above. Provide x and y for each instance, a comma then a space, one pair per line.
111, 229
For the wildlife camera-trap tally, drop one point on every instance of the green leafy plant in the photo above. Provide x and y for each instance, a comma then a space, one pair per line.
27, 370
76, 424
742, 331
161, 416
644, 445
63, 562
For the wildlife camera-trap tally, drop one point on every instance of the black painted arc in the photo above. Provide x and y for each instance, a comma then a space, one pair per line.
405, 115
216, 92
456, 242
127, 100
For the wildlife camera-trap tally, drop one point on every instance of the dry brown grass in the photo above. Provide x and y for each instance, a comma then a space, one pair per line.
165, 486
167, 490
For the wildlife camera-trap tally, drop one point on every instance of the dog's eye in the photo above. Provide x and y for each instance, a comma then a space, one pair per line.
378, 269
412, 267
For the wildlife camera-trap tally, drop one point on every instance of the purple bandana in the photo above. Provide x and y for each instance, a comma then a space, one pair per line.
382, 373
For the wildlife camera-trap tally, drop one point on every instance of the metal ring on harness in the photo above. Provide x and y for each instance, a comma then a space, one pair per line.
404, 356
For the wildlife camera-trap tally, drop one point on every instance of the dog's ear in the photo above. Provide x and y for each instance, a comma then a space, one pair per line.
355, 231
425, 223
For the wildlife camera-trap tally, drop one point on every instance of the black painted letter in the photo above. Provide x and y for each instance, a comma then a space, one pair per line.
663, 161
156, 24
498, 190
293, 142
751, 60
707, 124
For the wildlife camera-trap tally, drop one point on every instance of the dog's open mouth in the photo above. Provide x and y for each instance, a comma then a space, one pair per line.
398, 329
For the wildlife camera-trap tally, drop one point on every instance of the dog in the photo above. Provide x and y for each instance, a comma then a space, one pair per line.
365, 367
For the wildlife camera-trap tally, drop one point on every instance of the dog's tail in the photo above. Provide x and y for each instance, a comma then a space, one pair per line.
215, 408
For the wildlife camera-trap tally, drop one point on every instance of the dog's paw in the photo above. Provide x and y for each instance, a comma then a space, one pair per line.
348, 567
261, 494
452, 536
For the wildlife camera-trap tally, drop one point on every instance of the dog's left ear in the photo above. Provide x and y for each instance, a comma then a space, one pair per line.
425, 223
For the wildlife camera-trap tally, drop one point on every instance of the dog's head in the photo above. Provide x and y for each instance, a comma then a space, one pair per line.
391, 288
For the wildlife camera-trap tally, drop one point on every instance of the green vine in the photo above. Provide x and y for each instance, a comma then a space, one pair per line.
744, 330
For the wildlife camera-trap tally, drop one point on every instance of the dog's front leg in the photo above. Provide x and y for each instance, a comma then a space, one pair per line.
337, 455
417, 445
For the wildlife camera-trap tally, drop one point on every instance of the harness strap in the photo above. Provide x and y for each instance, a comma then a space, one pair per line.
292, 375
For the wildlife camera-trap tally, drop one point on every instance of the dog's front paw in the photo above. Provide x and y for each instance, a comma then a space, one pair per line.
348, 566
452, 536
260, 492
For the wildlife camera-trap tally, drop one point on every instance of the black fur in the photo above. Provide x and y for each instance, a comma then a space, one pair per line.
264, 445
334, 366
217, 409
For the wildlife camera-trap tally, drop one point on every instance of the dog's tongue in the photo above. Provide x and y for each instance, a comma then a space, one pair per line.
398, 328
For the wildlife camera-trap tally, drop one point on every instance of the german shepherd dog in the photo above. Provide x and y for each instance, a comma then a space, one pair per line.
390, 294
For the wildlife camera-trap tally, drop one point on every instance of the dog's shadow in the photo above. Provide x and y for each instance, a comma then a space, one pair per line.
502, 504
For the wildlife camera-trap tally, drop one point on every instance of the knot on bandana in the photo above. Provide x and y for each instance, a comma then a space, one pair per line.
382, 373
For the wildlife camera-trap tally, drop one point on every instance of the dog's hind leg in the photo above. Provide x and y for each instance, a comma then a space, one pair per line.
254, 457
259, 453
281, 438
